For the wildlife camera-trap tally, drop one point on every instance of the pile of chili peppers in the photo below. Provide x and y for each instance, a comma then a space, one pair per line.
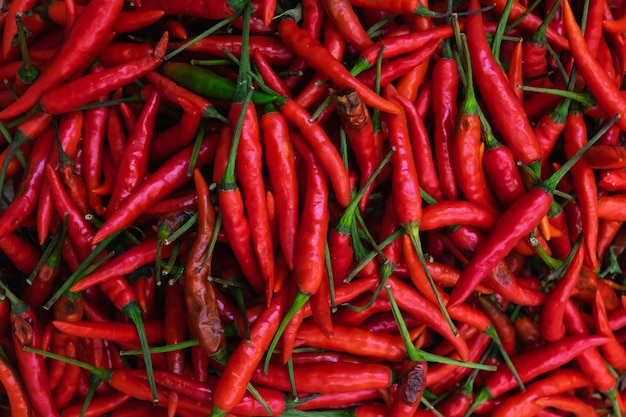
313, 208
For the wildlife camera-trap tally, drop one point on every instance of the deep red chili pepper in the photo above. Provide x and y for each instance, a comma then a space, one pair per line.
309, 255
27, 195
89, 87
585, 185
127, 21
422, 153
250, 179
118, 53
19, 400
115, 332
514, 125
318, 58
551, 324
97, 20
282, 174
176, 137
613, 351
606, 157
134, 162
577, 406
170, 176
26, 331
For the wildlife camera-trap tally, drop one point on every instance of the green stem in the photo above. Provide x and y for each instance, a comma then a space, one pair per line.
56, 242
412, 230
500, 30
196, 149
94, 382
28, 72
493, 334
372, 254
585, 99
133, 312
80, 270
519, 20
416, 354
162, 349
203, 35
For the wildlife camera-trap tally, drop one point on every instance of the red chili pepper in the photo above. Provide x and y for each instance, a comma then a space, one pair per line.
606, 157
127, 21
533, 363
422, 153
115, 332
27, 195
342, 14
169, 177
601, 86
231, 385
26, 331
318, 58
513, 125
97, 20
522, 404
613, 351
89, 87
590, 361
551, 324
19, 400
575, 405
282, 174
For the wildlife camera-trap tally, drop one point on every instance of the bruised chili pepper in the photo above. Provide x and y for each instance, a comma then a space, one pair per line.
202, 309
97, 20
357, 124
318, 58
513, 125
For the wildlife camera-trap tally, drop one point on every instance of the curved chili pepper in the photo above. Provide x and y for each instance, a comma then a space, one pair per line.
522, 404
27, 195
26, 331
282, 174
169, 177
89, 87
514, 125
231, 385
19, 400
347, 22
551, 323
606, 157
422, 153
318, 58
97, 20
309, 256
590, 361
613, 351
575, 405
601, 86
585, 185
533, 363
